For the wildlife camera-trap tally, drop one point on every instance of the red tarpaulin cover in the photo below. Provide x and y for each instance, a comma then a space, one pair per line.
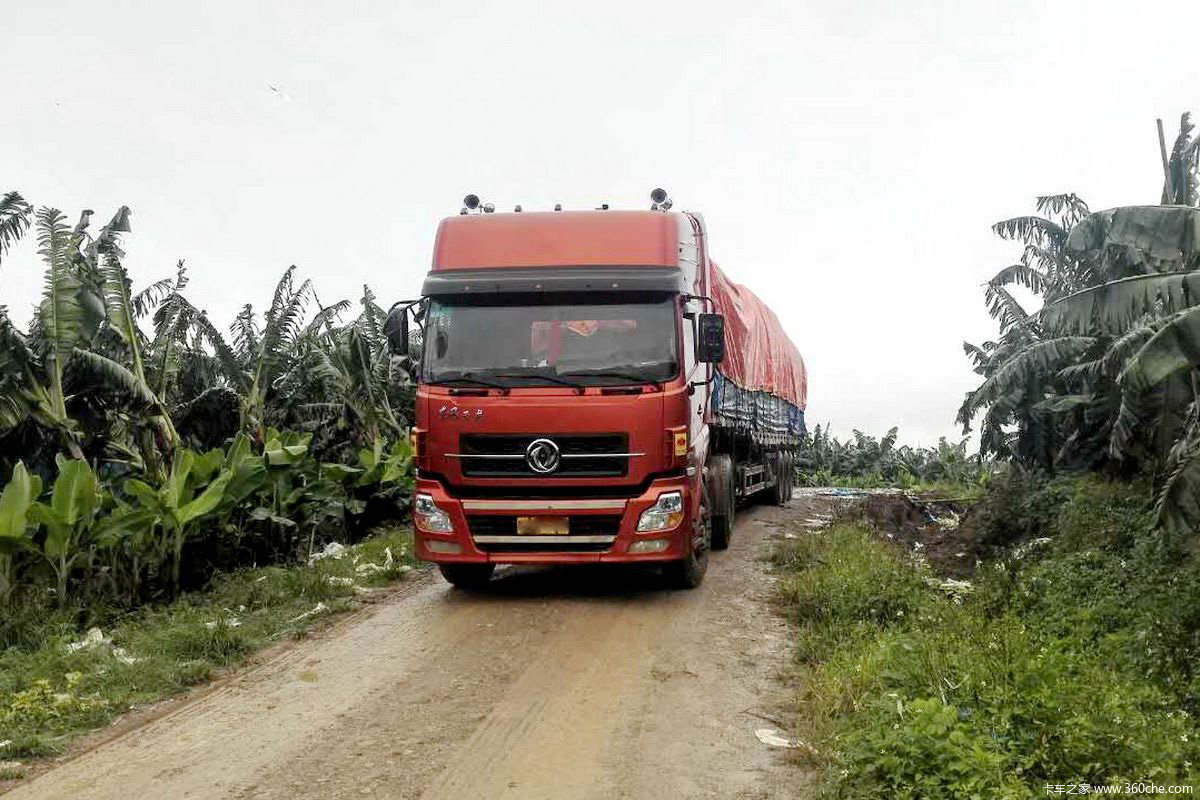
758, 354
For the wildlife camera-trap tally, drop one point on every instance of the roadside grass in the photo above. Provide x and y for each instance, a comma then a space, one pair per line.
57, 683
1071, 663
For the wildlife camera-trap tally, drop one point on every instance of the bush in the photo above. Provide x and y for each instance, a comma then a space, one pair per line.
1019, 505
928, 752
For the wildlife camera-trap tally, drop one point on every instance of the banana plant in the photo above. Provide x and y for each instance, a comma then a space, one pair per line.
189, 492
68, 518
387, 466
20, 493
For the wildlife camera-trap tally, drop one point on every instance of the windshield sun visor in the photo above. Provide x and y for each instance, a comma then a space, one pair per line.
460, 282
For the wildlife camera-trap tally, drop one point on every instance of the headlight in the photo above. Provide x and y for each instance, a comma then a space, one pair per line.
664, 515
429, 518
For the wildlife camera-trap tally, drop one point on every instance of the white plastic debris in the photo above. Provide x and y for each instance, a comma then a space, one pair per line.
335, 580
92, 639
949, 522
230, 622
772, 738
1028, 547
370, 568
5, 743
122, 655
334, 550
319, 608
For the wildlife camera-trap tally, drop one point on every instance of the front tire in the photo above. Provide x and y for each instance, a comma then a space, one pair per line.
688, 573
467, 576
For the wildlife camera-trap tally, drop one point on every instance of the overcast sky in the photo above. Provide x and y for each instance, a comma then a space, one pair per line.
849, 158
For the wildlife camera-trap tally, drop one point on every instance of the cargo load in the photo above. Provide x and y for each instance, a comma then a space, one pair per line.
761, 386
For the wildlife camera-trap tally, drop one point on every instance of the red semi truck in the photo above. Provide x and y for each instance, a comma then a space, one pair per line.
591, 388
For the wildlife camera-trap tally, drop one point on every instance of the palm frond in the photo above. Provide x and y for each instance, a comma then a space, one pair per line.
246, 334
1032, 229
1115, 306
1069, 207
1023, 367
1177, 507
118, 301
15, 215
1004, 307
114, 375
226, 357
68, 311
979, 357
1021, 274
153, 295
1164, 238
1175, 346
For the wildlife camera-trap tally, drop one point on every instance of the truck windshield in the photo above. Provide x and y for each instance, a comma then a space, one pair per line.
530, 342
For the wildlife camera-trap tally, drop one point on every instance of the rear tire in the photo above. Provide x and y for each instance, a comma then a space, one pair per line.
789, 474
778, 490
721, 490
467, 576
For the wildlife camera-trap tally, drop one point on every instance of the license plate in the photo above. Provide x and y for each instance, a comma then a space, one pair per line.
543, 526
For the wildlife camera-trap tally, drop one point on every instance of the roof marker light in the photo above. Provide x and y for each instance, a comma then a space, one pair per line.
488, 208
558, 206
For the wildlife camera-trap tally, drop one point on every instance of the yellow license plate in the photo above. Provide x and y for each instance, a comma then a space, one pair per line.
543, 526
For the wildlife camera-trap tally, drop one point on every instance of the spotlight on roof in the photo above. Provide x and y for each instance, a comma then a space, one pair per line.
517, 208
558, 206
471, 201
659, 201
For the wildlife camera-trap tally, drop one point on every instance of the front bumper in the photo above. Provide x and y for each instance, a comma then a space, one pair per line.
609, 526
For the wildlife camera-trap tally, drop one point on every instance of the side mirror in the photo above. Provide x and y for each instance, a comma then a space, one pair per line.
710, 338
395, 328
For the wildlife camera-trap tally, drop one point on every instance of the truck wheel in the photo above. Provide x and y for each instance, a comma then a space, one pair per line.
789, 475
779, 487
721, 490
467, 576
688, 573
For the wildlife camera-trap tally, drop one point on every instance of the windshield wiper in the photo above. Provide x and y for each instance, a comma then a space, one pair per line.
544, 374
470, 377
613, 373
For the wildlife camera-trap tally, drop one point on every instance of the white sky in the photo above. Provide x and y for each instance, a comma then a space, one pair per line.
849, 158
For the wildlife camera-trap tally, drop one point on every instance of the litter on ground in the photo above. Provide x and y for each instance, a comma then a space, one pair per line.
334, 550
93, 638
772, 738
319, 608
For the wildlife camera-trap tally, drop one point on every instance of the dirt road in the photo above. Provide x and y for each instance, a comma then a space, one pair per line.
554, 683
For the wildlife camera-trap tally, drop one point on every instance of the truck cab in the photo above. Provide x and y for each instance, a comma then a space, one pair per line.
563, 404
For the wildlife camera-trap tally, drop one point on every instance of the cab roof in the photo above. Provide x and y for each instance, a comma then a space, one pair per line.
557, 239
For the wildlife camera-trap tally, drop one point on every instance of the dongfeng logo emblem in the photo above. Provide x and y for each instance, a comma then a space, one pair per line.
542, 456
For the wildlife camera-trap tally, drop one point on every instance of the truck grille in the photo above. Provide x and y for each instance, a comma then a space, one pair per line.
583, 455
497, 533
